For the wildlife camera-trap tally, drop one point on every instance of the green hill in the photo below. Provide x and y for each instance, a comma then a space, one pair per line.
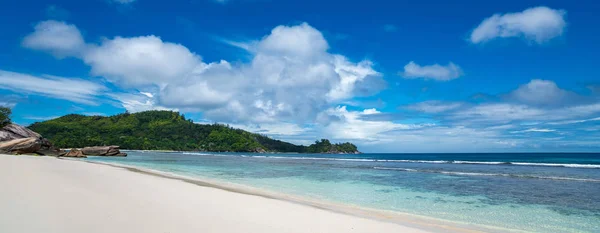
166, 130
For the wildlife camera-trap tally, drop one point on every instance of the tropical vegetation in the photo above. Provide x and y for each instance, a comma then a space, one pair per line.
4, 116
167, 130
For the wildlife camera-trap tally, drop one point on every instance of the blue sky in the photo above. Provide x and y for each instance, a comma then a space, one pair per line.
390, 76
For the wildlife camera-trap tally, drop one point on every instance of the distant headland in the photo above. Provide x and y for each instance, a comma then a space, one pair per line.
168, 130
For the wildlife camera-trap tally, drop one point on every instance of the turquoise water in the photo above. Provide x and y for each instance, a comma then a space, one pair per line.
531, 192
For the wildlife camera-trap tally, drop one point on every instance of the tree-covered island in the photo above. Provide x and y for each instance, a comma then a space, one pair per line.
167, 130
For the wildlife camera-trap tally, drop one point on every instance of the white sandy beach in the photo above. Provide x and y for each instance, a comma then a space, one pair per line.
45, 194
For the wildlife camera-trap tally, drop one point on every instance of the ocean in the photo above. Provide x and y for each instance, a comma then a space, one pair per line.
538, 192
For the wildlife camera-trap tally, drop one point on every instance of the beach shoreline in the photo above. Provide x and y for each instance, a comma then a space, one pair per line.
412, 220
369, 219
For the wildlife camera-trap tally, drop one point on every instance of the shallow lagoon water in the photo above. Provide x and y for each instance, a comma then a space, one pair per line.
531, 192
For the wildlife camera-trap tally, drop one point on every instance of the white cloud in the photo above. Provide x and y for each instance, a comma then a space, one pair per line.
291, 76
540, 101
133, 102
59, 38
353, 78
40, 118
273, 129
248, 46
174, 76
535, 130
438, 72
434, 106
591, 129
538, 24
370, 111
349, 125
541, 92
76, 90
11, 100
148, 94
501, 127
139, 61
8, 104
499, 113
296, 41
434, 138
574, 121
491, 126
209, 86
196, 95
289, 87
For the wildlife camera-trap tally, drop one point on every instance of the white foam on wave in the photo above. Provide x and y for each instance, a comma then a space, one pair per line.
558, 165
489, 174
479, 162
313, 158
396, 168
406, 160
412, 161
200, 153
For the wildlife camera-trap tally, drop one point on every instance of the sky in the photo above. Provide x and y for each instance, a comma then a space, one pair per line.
389, 76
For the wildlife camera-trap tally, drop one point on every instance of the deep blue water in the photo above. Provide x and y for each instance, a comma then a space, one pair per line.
542, 192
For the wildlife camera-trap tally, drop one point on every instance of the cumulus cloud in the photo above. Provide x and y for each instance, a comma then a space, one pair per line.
355, 79
288, 89
140, 61
291, 76
59, 38
438, 72
538, 24
296, 41
543, 93
76, 90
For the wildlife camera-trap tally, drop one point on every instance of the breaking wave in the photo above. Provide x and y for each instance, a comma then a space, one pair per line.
489, 174
403, 160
